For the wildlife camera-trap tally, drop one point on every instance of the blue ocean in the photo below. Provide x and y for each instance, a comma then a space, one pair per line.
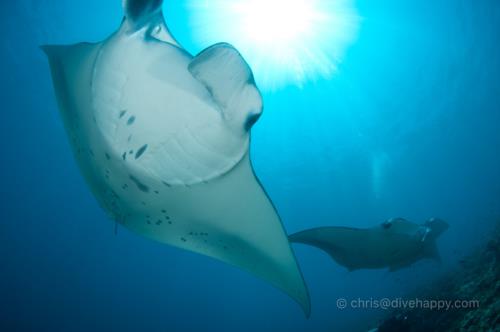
371, 111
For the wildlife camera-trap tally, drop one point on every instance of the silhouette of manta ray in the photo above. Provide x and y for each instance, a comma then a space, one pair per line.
395, 244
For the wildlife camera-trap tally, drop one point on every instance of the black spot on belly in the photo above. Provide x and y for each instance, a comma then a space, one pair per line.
122, 113
115, 195
108, 157
140, 152
139, 184
124, 156
131, 120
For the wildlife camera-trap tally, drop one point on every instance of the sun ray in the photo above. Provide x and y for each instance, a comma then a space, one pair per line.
287, 42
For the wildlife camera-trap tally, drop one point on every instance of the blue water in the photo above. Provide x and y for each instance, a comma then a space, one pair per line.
409, 126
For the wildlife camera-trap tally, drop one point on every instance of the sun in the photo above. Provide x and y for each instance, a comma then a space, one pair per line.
286, 42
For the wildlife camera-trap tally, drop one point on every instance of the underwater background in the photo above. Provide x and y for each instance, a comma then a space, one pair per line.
408, 126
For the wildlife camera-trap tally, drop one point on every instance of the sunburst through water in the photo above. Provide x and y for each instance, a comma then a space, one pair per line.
286, 42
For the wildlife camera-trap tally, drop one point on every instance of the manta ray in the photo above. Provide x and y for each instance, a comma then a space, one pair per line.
162, 139
395, 244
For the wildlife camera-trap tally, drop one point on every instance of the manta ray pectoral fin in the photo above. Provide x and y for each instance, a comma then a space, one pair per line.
57, 55
61, 57
230, 81
71, 68
239, 226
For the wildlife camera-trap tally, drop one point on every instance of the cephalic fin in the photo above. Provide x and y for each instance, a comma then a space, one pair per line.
146, 15
229, 79
138, 12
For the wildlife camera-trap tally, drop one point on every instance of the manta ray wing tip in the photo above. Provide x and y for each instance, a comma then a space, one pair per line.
49, 50
45, 48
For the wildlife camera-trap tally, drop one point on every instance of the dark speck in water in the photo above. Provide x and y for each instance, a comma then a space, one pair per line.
131, 120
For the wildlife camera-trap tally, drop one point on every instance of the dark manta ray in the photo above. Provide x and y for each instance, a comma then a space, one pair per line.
394, 244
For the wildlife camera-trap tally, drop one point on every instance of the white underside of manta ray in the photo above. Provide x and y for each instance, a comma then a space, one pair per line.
162, 139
